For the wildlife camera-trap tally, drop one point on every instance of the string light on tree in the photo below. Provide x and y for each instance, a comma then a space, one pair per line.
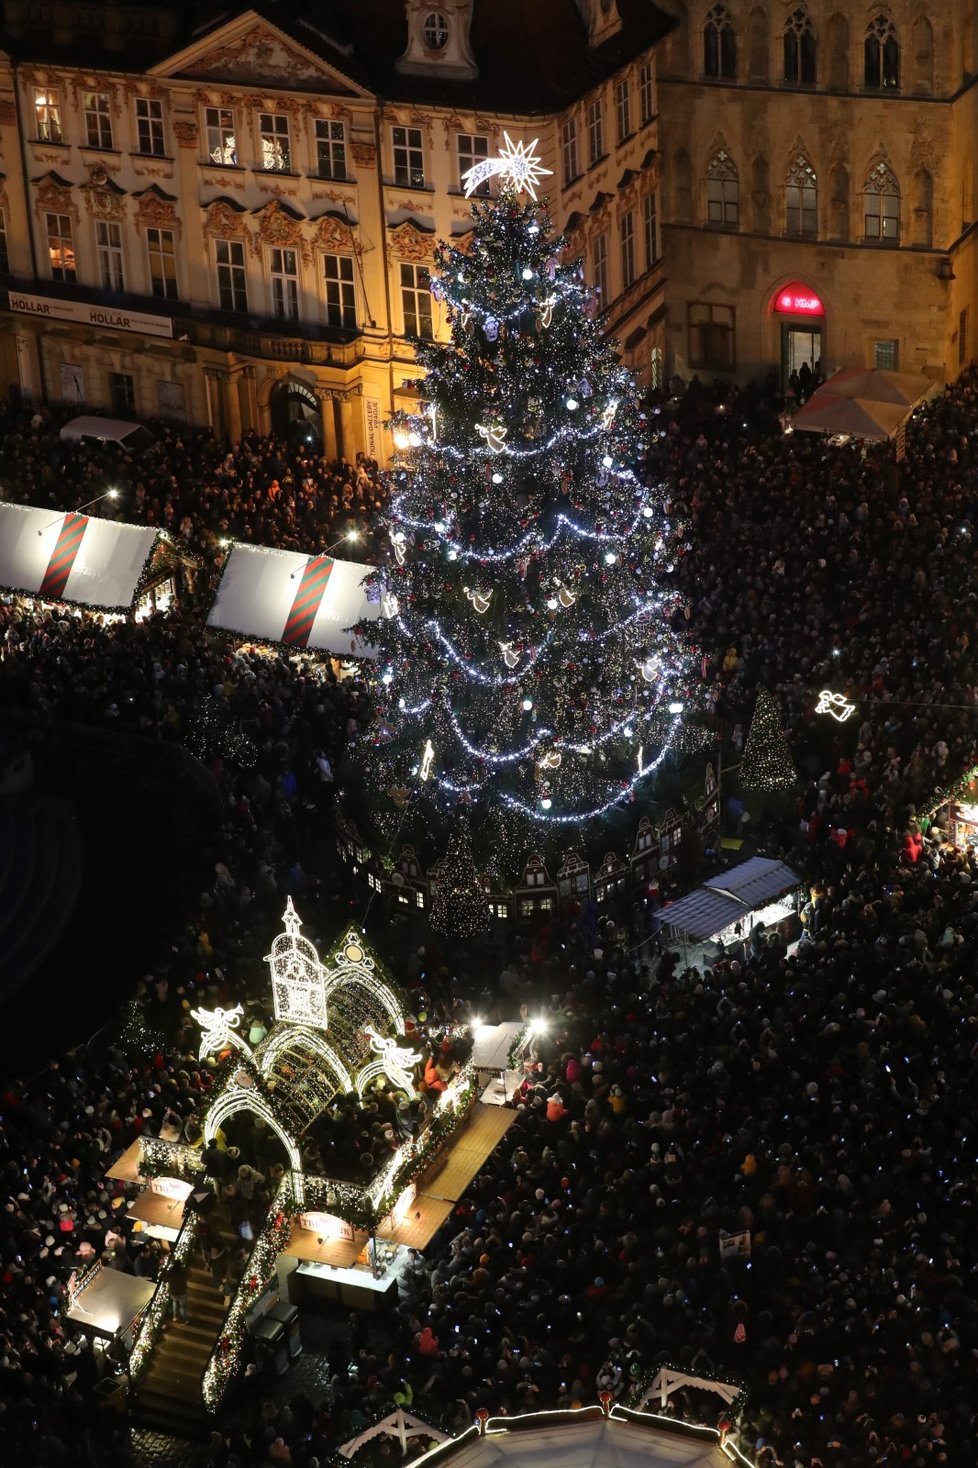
767, 762
531, 563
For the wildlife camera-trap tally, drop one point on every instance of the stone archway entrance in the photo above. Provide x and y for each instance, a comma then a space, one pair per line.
296, 415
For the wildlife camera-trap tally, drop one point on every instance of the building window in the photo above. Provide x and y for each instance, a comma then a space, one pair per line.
122, 392
4, 257
98, 120
646, 92
711, 336
886, 354
626, 234
881, 55
595, 130
222, 147
330, 149
284, 277
47, 114
599, 268
472, 148
161, 249
962, 337
435, 31
650, 221
232, 288
801, 199
568, 148
108, 242
799, 50
274, 148
416, 300
881, 206
341, 305
149, 127
623, 108
61, 248
719, 45
722, 192
408, 157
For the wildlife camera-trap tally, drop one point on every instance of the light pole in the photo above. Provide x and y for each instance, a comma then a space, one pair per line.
110, 494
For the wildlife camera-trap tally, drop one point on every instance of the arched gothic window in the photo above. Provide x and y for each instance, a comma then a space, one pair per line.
801, 199
722, 192
719, 44
881, 52
799, 50
881, 205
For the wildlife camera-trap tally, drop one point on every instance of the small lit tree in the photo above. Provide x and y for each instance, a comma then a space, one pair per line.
767, 762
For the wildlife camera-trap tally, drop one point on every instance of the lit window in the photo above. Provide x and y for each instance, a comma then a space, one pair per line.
232, 286
416, 300
408, 157
161, 250
886, 354
472, 148
47, 114
722, 192
341, 306
149, 127
61, 248
108, 242
330, 149
274, 148
221, 145
98, 120
283, 271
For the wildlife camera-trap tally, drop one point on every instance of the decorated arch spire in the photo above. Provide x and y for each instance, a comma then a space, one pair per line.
298, 991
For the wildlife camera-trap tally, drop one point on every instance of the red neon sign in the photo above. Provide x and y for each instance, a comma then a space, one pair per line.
798, 300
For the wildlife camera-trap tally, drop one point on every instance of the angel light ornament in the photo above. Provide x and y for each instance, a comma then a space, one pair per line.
479, 599
396, 1062
649, 669
493, 434
218, 1030
565, 596
510, 657
399, 542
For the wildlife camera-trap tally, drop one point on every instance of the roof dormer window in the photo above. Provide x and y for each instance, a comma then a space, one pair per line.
435, 31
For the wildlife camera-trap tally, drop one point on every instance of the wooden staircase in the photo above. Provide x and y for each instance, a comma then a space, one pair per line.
168, 1393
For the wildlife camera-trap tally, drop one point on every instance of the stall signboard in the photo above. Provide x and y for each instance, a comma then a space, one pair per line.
328, 1227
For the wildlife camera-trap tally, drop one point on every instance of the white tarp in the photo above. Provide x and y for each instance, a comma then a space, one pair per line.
72, 557
303, 601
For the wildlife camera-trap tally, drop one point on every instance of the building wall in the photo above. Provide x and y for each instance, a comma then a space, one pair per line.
910, 291
152, 177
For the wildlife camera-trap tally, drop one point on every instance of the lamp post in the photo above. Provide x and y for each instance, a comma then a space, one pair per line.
110, 494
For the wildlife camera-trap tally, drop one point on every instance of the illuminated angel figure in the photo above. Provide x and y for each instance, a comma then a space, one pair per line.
396, 1062
219, 1030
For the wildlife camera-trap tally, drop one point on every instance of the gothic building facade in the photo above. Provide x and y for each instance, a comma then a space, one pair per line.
231, 220
819, 199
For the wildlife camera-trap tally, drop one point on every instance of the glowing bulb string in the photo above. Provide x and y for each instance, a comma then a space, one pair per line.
531, 543
482, 451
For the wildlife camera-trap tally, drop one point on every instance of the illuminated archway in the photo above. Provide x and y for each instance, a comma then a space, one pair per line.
241, 1098
287, 1039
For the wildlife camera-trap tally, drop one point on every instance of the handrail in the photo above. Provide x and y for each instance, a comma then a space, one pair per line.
155, 1312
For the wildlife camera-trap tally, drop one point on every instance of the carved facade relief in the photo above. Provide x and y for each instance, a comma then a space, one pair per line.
103, 198
185, 134
224, 222
408, 242
262, 56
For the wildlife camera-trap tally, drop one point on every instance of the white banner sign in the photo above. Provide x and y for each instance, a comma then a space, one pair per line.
373, 424
119, 318
735, 1246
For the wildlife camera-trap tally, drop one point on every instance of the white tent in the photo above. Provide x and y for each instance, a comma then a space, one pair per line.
583, 1439
72, 557
303, 601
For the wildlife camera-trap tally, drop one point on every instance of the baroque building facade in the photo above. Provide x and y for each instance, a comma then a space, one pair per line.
819, 204
231, 221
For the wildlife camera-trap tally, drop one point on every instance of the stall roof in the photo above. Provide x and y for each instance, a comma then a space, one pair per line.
468, 1150
303, 601
98, 563
111, 1302
725, 898
582, 1439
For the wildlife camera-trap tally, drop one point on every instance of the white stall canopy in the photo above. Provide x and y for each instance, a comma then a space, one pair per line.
72, 557
302, 601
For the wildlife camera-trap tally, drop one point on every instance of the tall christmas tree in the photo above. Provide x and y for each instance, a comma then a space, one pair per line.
530, 660
767, 762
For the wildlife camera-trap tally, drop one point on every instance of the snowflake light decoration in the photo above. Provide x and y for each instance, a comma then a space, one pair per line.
517, 163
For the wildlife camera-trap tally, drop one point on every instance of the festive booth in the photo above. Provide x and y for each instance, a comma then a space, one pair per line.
302, 601
728, 907
100, 564
342, 1048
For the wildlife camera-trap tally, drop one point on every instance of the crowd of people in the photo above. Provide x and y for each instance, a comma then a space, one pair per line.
819, 1103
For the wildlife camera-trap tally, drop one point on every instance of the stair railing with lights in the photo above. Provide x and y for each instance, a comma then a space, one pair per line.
157, 1310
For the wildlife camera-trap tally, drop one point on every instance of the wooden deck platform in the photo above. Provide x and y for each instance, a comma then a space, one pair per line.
486, 1127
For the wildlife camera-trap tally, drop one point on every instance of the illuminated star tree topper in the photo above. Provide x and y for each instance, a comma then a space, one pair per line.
517, 164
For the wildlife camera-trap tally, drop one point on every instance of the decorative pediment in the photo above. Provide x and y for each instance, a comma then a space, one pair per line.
223, 219
54, 195
155, 210
334, 233
258, 56
280, 226
408, 241
103, 197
